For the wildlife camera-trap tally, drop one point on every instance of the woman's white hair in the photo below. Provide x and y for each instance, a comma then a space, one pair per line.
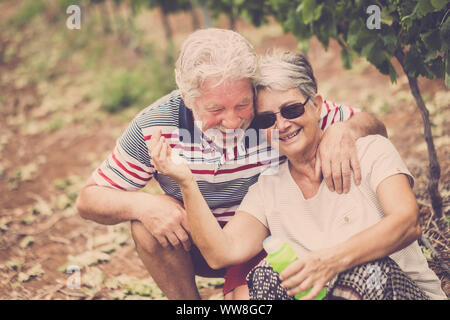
213, 53
284, 71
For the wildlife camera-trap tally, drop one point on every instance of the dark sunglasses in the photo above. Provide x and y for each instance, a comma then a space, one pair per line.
292, 111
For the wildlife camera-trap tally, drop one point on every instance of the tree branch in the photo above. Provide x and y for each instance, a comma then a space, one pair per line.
434, 173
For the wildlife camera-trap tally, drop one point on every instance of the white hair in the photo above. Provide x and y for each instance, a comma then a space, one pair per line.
213, 53
284, 71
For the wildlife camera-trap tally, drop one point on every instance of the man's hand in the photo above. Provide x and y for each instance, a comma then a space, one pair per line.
166, 221
338, 155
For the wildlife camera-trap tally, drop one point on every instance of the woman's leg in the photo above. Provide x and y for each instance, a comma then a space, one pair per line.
377, 280
265, 284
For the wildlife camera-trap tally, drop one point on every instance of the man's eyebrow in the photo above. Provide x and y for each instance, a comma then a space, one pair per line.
246, 100
213, 106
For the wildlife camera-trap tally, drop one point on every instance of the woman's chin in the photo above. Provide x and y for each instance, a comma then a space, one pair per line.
293, 145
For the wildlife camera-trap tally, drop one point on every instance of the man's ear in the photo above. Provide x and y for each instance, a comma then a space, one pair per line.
186, 102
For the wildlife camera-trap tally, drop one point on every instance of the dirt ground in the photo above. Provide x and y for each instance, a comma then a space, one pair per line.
41, 172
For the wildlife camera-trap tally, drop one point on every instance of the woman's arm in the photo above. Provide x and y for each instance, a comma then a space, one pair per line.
398, 229
240, 240
395, 231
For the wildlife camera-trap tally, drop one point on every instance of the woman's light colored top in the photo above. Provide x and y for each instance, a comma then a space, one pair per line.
330, 218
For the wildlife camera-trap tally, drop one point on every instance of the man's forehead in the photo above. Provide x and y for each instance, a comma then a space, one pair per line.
239, 90
217, 83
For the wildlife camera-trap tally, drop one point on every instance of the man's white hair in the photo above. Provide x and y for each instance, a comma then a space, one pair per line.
213, 53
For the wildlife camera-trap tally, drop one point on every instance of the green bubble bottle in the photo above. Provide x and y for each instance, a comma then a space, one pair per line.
279, 255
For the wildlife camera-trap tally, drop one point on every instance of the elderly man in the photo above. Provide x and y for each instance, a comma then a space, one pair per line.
206, 121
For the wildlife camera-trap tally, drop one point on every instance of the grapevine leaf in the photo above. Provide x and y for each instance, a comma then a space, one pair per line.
445, 35
425, 7
439, 4
308, 11
432, 39
346, 58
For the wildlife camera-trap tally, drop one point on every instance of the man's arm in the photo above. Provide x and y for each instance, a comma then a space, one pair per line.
106, 205
337, 150
163, 216
363, 124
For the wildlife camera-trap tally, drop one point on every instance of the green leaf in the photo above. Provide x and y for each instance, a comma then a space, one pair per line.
318, 12
445, 34
437, 67
413, 63
392, 74
346, 58
428, 253
389, 40
26, 242
93, 277
303, 45
432, 39
135, 286
42, 207
4, 223
439, 4
16, 265
308, 10
35, 271
367, 51
425, 7
88, 258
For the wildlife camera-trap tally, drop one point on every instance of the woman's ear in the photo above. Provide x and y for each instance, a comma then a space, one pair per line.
318, 101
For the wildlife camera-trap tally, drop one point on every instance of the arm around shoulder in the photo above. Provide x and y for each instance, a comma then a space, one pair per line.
364, 123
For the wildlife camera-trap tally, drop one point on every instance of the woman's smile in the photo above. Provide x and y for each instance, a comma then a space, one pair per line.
290, 137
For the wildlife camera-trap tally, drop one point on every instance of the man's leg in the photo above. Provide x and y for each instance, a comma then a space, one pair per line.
236, 287
238, 293
171, 268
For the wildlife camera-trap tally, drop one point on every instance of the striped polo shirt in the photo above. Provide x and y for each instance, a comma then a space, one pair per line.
223, 175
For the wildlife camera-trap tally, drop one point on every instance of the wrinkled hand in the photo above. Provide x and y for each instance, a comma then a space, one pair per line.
166, 221
312, 270
168, 162
337, 153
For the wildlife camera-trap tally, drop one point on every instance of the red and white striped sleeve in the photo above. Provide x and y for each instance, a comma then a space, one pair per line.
128, 166
332, 112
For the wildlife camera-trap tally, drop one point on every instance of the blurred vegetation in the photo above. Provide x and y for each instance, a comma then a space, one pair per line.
124, 70
28, 11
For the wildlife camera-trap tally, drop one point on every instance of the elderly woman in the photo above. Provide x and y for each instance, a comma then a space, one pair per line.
360, 245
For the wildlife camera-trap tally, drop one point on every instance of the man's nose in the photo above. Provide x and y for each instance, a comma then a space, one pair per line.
231, 121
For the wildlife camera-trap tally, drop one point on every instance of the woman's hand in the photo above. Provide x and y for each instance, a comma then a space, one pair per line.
168, 162
312, 270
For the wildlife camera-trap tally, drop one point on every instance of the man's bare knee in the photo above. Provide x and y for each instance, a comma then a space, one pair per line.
143, 238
